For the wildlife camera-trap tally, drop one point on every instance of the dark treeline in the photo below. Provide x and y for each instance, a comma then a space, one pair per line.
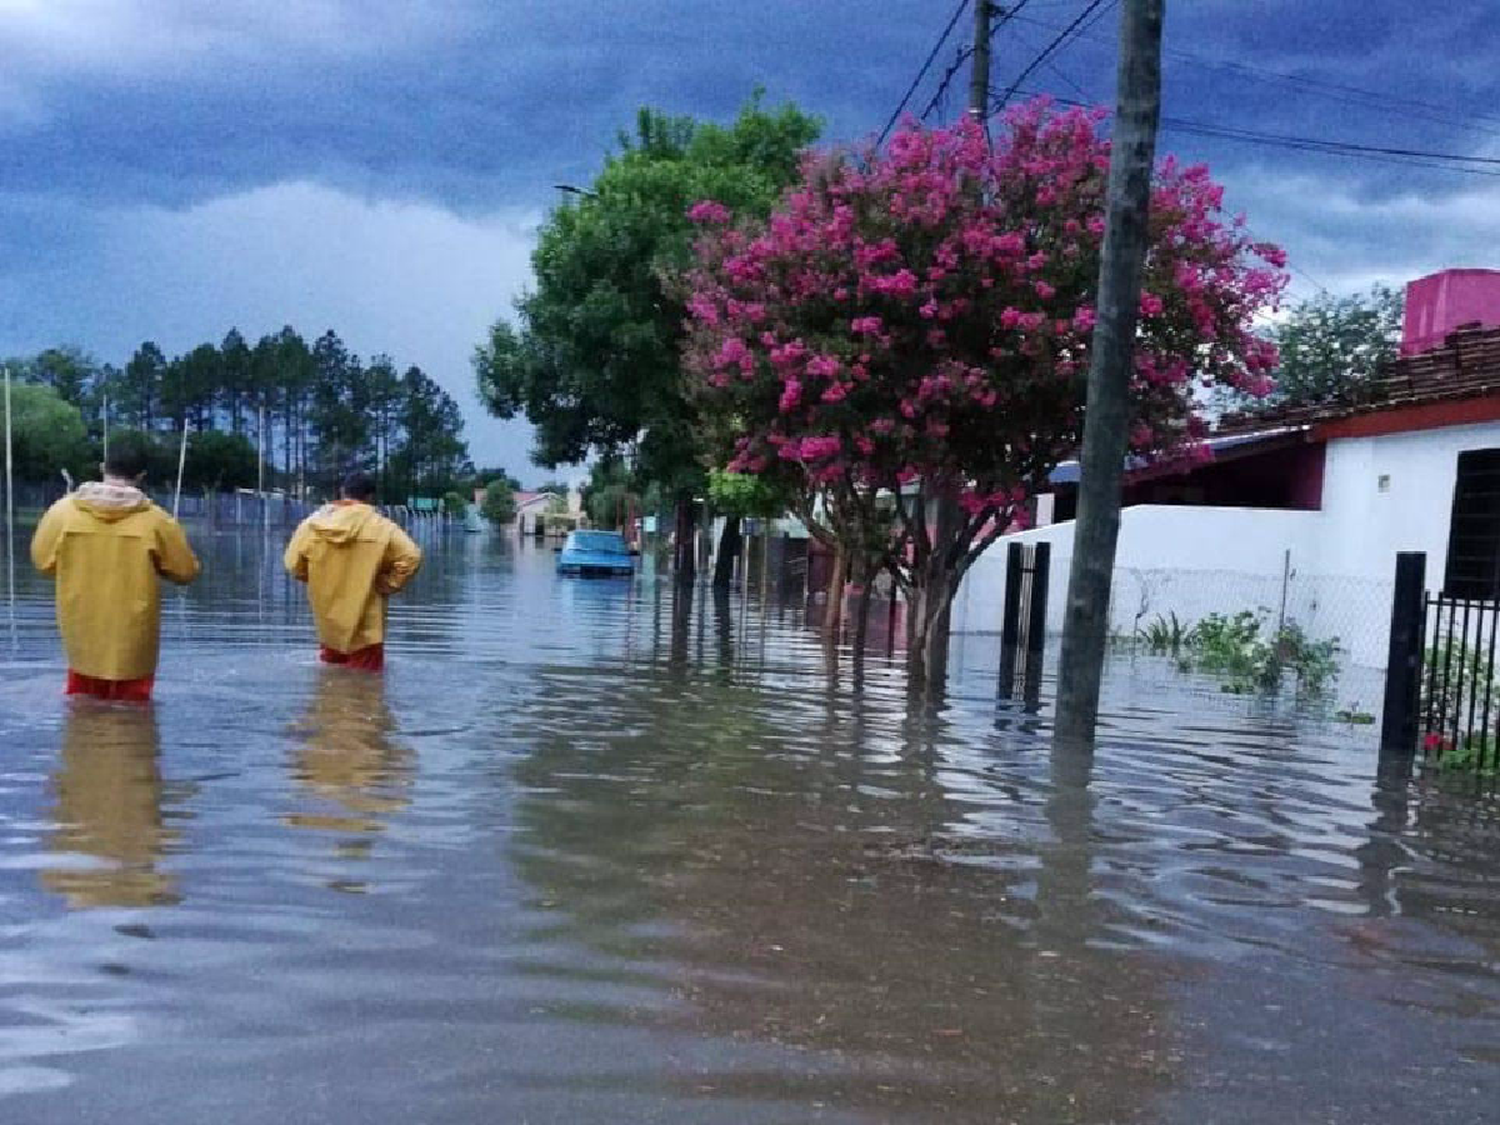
316, 410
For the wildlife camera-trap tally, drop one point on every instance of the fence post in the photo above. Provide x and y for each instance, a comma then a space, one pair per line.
1010, 618
1036, 619
1398, 727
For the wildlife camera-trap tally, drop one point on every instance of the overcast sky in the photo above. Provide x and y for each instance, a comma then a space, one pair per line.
172, 168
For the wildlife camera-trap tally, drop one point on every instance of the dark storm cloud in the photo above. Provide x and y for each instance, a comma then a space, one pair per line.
115, 117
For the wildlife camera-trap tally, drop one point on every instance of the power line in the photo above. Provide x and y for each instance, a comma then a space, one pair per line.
1056, 44
948, 76
1006, 15
1336, 91
926, 66
1410, 158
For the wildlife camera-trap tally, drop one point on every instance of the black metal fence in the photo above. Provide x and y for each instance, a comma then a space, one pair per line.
1442, 695
1023, 626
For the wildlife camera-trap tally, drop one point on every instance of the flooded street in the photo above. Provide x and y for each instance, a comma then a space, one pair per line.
588, 854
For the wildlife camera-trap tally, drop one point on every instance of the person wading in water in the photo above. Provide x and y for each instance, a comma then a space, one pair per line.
106, 545
352, 559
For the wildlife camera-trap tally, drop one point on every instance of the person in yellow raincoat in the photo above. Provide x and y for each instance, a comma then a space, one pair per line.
352, 559
106, 545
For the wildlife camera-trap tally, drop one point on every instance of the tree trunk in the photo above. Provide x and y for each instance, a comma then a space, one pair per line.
729, 550
862, 617
1107, 420
685, 549
935, 582
929, 626
833, 606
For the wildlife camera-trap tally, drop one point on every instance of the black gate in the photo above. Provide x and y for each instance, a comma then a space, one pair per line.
1459, 700
1442, 694
1023, 628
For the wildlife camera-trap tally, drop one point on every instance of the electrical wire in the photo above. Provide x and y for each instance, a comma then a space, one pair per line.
1057, 43
965, 53
921, 74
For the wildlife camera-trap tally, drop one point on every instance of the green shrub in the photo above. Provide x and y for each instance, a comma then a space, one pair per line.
1237, 650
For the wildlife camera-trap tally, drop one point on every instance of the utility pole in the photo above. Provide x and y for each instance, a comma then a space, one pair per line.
1107, 415
947, 513
979, 77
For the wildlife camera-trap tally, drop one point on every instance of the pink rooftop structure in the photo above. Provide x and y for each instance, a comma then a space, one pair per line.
1441, 302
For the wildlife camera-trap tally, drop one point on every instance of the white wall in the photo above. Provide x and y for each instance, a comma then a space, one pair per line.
1366, 527
1249, 541
1194, 560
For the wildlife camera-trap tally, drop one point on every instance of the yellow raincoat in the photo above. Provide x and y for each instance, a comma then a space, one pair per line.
352, 559
106, 544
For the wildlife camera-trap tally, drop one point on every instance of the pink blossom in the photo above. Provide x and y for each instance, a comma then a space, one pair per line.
819, 448
732, 353
823, 366
708, 211
888, 299
701, 308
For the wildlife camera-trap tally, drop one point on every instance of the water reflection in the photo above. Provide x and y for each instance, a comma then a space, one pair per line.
108, 788
672, 862
794, 878
346, 759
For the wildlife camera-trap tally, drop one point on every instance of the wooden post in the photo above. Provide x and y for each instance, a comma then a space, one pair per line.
1107, 420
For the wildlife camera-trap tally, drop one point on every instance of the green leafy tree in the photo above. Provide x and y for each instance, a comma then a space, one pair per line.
737, 497
475, 481
455, 505
595, 363
220, 461
235, 389
67, 370
140, 387
499, 505
1332, 349
610, 497
382, 395
47, 434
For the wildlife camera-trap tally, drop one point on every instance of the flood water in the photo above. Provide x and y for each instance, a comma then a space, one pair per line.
588, 854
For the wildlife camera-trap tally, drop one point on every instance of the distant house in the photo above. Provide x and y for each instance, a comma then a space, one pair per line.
531, 507
1330, 492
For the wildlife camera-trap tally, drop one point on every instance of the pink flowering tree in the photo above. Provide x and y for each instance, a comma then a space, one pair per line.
908, 335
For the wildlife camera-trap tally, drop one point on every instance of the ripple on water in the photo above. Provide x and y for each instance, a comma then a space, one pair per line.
590, 853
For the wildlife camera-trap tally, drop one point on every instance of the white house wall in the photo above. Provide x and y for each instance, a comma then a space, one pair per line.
1366, 527
1196, 560
1153, 539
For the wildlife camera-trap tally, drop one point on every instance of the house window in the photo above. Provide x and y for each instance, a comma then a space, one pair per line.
1473, 569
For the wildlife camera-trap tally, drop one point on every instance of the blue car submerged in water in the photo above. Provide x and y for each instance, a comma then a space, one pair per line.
590, 553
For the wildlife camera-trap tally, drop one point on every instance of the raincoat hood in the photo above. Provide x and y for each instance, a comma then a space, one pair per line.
109, 502
340, 523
